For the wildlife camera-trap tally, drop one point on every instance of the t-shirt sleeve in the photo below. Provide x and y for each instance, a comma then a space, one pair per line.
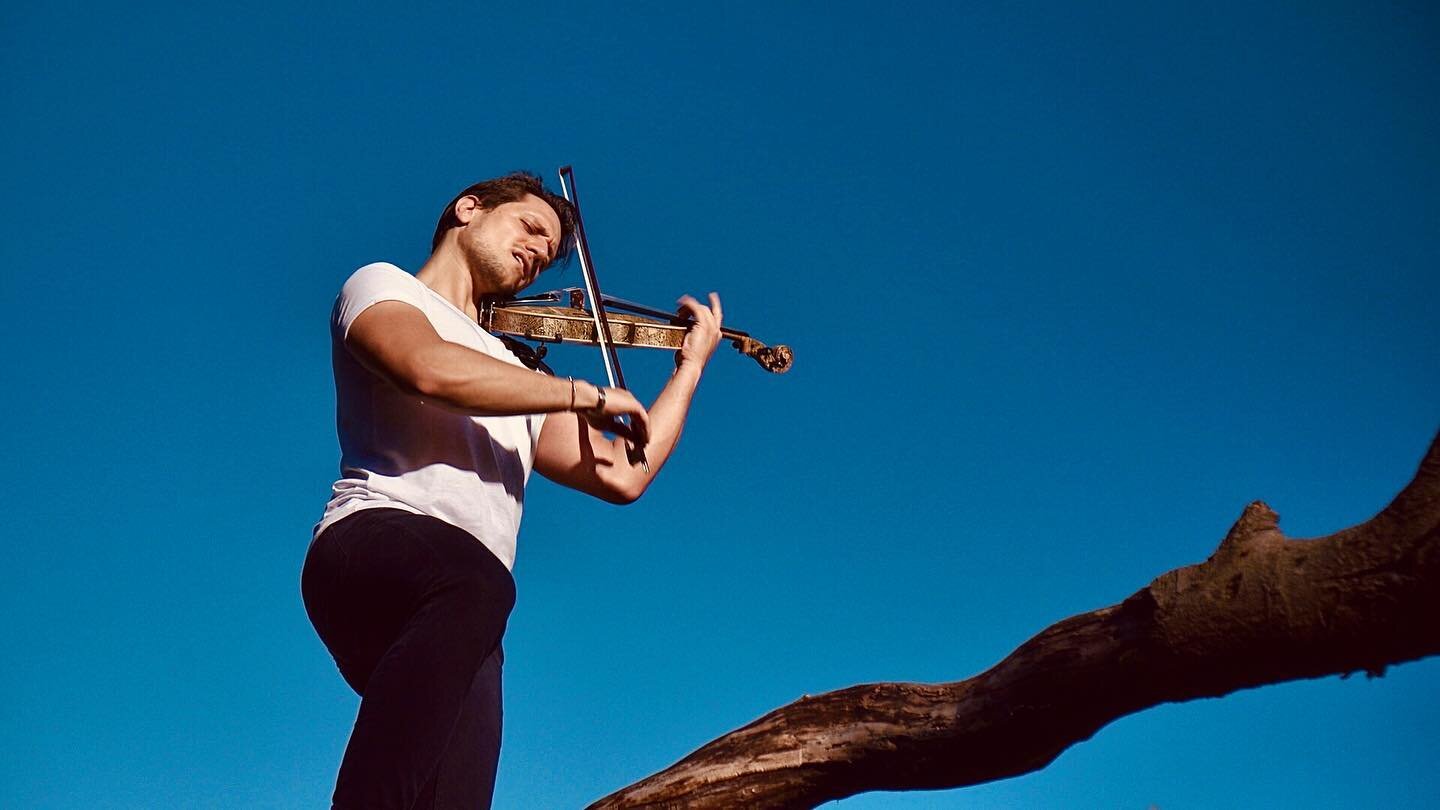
372, 284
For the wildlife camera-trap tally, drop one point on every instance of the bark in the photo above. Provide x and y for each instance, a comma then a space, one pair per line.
1262, 609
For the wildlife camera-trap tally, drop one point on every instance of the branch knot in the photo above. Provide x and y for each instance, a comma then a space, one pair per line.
1258, 519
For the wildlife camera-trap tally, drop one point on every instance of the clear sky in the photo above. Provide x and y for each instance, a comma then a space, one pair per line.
1067, 289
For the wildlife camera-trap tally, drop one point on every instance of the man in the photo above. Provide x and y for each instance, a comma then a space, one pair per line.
407, 580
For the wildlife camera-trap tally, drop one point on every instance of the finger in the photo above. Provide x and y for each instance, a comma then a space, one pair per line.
606, 424
627, 405
633, 435
615, 425
622, 402
715, 307
640, 423
687, 305
635, 431
640, 426
697, 311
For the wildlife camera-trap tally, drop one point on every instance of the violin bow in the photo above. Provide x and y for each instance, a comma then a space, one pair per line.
597, 309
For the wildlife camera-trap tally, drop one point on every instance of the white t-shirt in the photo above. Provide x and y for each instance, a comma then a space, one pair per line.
398, 451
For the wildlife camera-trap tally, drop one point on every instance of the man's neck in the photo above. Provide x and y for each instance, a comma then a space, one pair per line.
446, 274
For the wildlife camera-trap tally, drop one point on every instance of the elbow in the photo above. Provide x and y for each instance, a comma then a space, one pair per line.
424, 384
624, 491
432, 382
624, 496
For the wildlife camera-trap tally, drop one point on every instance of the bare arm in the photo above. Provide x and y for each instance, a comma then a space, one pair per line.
574, 453
396, 341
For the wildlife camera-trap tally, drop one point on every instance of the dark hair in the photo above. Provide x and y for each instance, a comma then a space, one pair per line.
512, 187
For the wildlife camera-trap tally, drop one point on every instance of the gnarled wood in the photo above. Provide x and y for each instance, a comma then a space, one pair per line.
1263, 609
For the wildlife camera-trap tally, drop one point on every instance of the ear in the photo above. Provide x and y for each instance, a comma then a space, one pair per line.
466, 208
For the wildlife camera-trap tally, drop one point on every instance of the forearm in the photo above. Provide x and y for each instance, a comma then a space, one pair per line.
467, 381
667, 421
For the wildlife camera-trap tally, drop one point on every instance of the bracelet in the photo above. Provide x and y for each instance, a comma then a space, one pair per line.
599, 409
572, 394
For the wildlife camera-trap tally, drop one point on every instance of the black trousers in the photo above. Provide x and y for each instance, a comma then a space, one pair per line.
413, 610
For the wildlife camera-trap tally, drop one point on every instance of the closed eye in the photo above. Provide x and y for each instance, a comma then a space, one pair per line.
542, 231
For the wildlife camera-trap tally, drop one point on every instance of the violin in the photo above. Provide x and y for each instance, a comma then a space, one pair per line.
563, 316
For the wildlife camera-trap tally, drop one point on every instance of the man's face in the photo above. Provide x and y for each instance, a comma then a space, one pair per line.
507, 246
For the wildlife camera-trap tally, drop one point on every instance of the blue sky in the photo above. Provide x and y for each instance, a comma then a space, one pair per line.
1067, 289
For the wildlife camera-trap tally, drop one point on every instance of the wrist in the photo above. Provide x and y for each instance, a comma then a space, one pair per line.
689, 372
588, 397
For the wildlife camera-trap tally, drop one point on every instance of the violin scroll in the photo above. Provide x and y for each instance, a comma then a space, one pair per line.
774, 359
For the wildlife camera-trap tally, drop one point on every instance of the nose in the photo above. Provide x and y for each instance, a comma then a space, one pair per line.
539, 248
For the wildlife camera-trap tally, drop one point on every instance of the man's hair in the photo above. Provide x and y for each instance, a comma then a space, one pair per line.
512, 187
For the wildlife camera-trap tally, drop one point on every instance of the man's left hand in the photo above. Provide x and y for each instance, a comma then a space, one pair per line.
704, 334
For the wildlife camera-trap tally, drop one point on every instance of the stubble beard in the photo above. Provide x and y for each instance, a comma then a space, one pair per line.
488, 273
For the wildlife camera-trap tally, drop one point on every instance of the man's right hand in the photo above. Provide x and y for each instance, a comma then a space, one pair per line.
617, 403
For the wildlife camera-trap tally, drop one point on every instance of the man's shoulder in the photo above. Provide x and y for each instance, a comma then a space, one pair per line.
381, 278
380, 273
371, 284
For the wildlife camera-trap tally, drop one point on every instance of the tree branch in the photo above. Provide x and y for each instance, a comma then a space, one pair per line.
1262, 609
